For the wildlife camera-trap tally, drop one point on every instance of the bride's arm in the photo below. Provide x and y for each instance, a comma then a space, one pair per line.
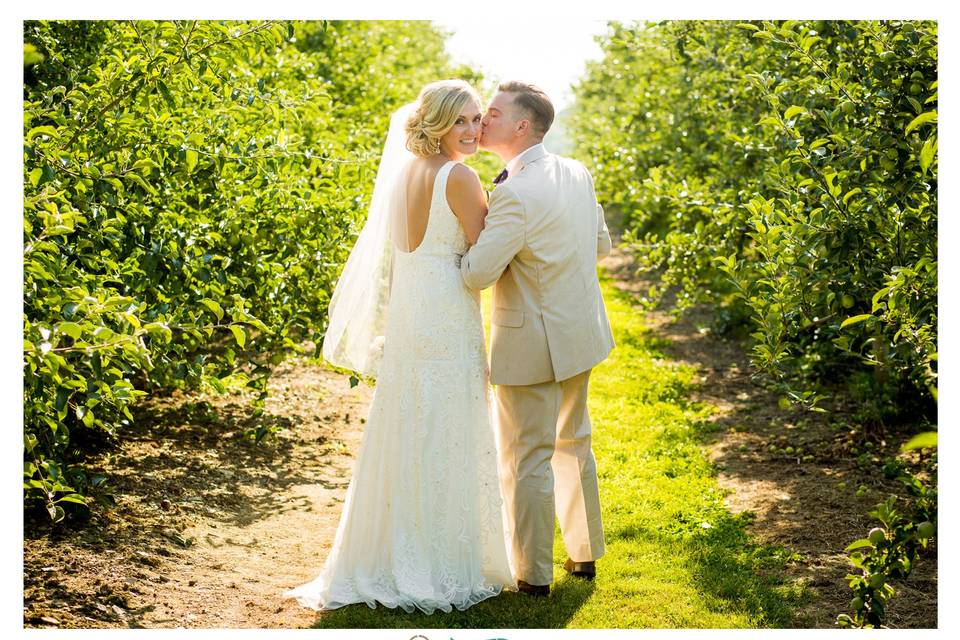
466, 198
504, 235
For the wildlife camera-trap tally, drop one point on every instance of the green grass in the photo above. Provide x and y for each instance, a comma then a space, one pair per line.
675, 557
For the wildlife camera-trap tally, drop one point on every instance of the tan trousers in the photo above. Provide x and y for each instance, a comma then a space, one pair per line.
547, 469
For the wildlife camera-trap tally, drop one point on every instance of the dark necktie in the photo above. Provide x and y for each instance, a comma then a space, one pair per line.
500, 177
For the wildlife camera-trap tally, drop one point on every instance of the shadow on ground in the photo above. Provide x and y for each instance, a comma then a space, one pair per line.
514, 610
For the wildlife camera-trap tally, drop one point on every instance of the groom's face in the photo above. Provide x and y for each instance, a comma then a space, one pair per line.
499, 125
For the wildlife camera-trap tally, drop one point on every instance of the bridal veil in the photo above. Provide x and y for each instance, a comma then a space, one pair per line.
357, 315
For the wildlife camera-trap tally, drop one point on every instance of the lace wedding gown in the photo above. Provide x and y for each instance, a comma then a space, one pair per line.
421, 525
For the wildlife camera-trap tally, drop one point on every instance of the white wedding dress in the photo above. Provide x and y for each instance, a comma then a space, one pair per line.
422, 524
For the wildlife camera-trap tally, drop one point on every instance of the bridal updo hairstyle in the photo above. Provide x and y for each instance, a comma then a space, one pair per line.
438, 106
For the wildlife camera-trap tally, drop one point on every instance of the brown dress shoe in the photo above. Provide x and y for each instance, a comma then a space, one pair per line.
585, 570
540, 590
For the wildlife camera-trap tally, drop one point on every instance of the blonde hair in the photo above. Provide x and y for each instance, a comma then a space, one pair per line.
438, 107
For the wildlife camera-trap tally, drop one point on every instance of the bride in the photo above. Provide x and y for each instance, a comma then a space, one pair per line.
421, 525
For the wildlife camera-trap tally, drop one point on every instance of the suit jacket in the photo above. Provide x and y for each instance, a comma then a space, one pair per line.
543, 235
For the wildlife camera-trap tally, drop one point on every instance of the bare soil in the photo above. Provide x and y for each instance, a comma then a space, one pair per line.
210, 528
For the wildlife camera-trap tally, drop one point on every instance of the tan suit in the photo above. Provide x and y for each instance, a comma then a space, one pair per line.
540, 244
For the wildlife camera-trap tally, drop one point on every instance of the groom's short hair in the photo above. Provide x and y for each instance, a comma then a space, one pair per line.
533, 101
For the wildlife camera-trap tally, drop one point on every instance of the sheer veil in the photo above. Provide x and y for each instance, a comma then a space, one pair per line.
357, 316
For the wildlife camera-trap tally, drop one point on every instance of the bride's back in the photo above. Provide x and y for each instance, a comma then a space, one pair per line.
420, 180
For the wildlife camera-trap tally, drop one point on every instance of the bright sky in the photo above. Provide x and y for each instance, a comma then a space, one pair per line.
551, 56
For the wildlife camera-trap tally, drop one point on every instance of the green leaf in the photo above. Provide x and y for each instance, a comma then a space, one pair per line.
926, 440
63, 395
793, 111
29, 442
859, 544
166, 95
216, 383
239, 334
45, 130
928, 153
159, 328
192, 157
923, 118
34, 176
876, 298
58, 230
214, 306
52, 469
856, 319
132, 319
140, 181
72, 329
833, 189
243, 316
145, 165
850, 194
808, 42
104, 334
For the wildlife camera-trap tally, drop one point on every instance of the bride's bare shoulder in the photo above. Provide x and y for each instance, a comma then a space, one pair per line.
421, 172
463, 177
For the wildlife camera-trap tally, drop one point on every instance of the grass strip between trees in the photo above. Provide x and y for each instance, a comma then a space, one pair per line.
676, 558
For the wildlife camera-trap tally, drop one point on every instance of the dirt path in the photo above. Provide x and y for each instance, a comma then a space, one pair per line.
210, 528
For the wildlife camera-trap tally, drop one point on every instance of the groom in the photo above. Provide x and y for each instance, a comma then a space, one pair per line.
543, 235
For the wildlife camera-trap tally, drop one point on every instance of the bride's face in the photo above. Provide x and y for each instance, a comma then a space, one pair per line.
462, 139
